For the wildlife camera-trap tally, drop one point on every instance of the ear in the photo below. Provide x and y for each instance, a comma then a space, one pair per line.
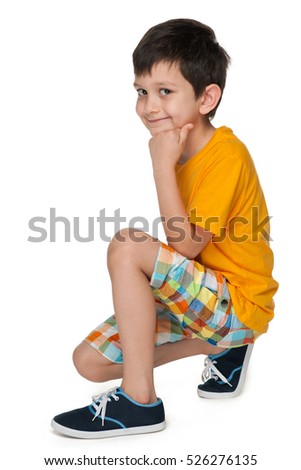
209, 98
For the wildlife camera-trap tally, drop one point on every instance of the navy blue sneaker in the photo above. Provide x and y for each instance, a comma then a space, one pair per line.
224, 374
111, 414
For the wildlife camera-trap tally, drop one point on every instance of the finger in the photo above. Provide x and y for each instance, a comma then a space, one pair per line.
184, 133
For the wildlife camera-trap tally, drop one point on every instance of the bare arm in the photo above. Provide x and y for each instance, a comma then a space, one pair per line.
166, 149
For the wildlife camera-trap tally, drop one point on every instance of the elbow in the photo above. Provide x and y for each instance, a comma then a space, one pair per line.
190, 246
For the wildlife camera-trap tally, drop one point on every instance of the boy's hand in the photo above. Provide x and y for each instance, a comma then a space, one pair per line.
166, 147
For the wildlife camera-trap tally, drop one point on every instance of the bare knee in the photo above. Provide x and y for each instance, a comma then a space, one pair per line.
132, 247
90, 364
125, 243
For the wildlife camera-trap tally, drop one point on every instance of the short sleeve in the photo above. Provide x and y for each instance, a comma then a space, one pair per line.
219, 194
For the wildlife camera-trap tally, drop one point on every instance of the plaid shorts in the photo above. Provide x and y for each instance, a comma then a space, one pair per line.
191, 302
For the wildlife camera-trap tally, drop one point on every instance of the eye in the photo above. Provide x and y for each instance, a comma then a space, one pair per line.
141, 92
164, 91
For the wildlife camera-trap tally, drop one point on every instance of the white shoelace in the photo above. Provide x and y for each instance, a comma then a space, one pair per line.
100, 403
211, 372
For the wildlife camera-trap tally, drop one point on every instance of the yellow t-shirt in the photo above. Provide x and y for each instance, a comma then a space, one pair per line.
221, 192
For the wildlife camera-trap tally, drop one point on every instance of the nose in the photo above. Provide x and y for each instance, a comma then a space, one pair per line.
151, 105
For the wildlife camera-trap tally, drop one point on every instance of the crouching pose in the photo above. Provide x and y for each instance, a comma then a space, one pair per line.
209, 289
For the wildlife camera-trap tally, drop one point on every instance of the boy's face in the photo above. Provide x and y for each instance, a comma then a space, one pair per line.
166, 100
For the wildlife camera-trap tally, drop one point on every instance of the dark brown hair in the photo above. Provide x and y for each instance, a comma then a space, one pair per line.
190, 44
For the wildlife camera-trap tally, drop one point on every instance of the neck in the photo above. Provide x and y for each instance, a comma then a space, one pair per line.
198, 137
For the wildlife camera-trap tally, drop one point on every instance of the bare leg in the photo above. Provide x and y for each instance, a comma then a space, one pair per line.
95, 367
131, 264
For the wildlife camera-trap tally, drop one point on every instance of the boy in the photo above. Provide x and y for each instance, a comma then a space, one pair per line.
210, 290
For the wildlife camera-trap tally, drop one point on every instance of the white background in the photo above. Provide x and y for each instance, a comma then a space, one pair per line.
70, 139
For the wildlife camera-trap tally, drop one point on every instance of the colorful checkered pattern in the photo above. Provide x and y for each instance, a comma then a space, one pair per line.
105, 338
191, 302
200, 298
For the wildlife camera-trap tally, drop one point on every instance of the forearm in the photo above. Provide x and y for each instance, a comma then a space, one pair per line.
166, 149
180, 233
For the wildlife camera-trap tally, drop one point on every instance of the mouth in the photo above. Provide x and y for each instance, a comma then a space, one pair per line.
155, 121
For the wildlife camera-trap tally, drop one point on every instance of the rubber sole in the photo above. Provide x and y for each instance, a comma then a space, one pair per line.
104, 434
237, 391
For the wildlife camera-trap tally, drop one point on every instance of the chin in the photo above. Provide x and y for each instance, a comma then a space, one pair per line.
156, 130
